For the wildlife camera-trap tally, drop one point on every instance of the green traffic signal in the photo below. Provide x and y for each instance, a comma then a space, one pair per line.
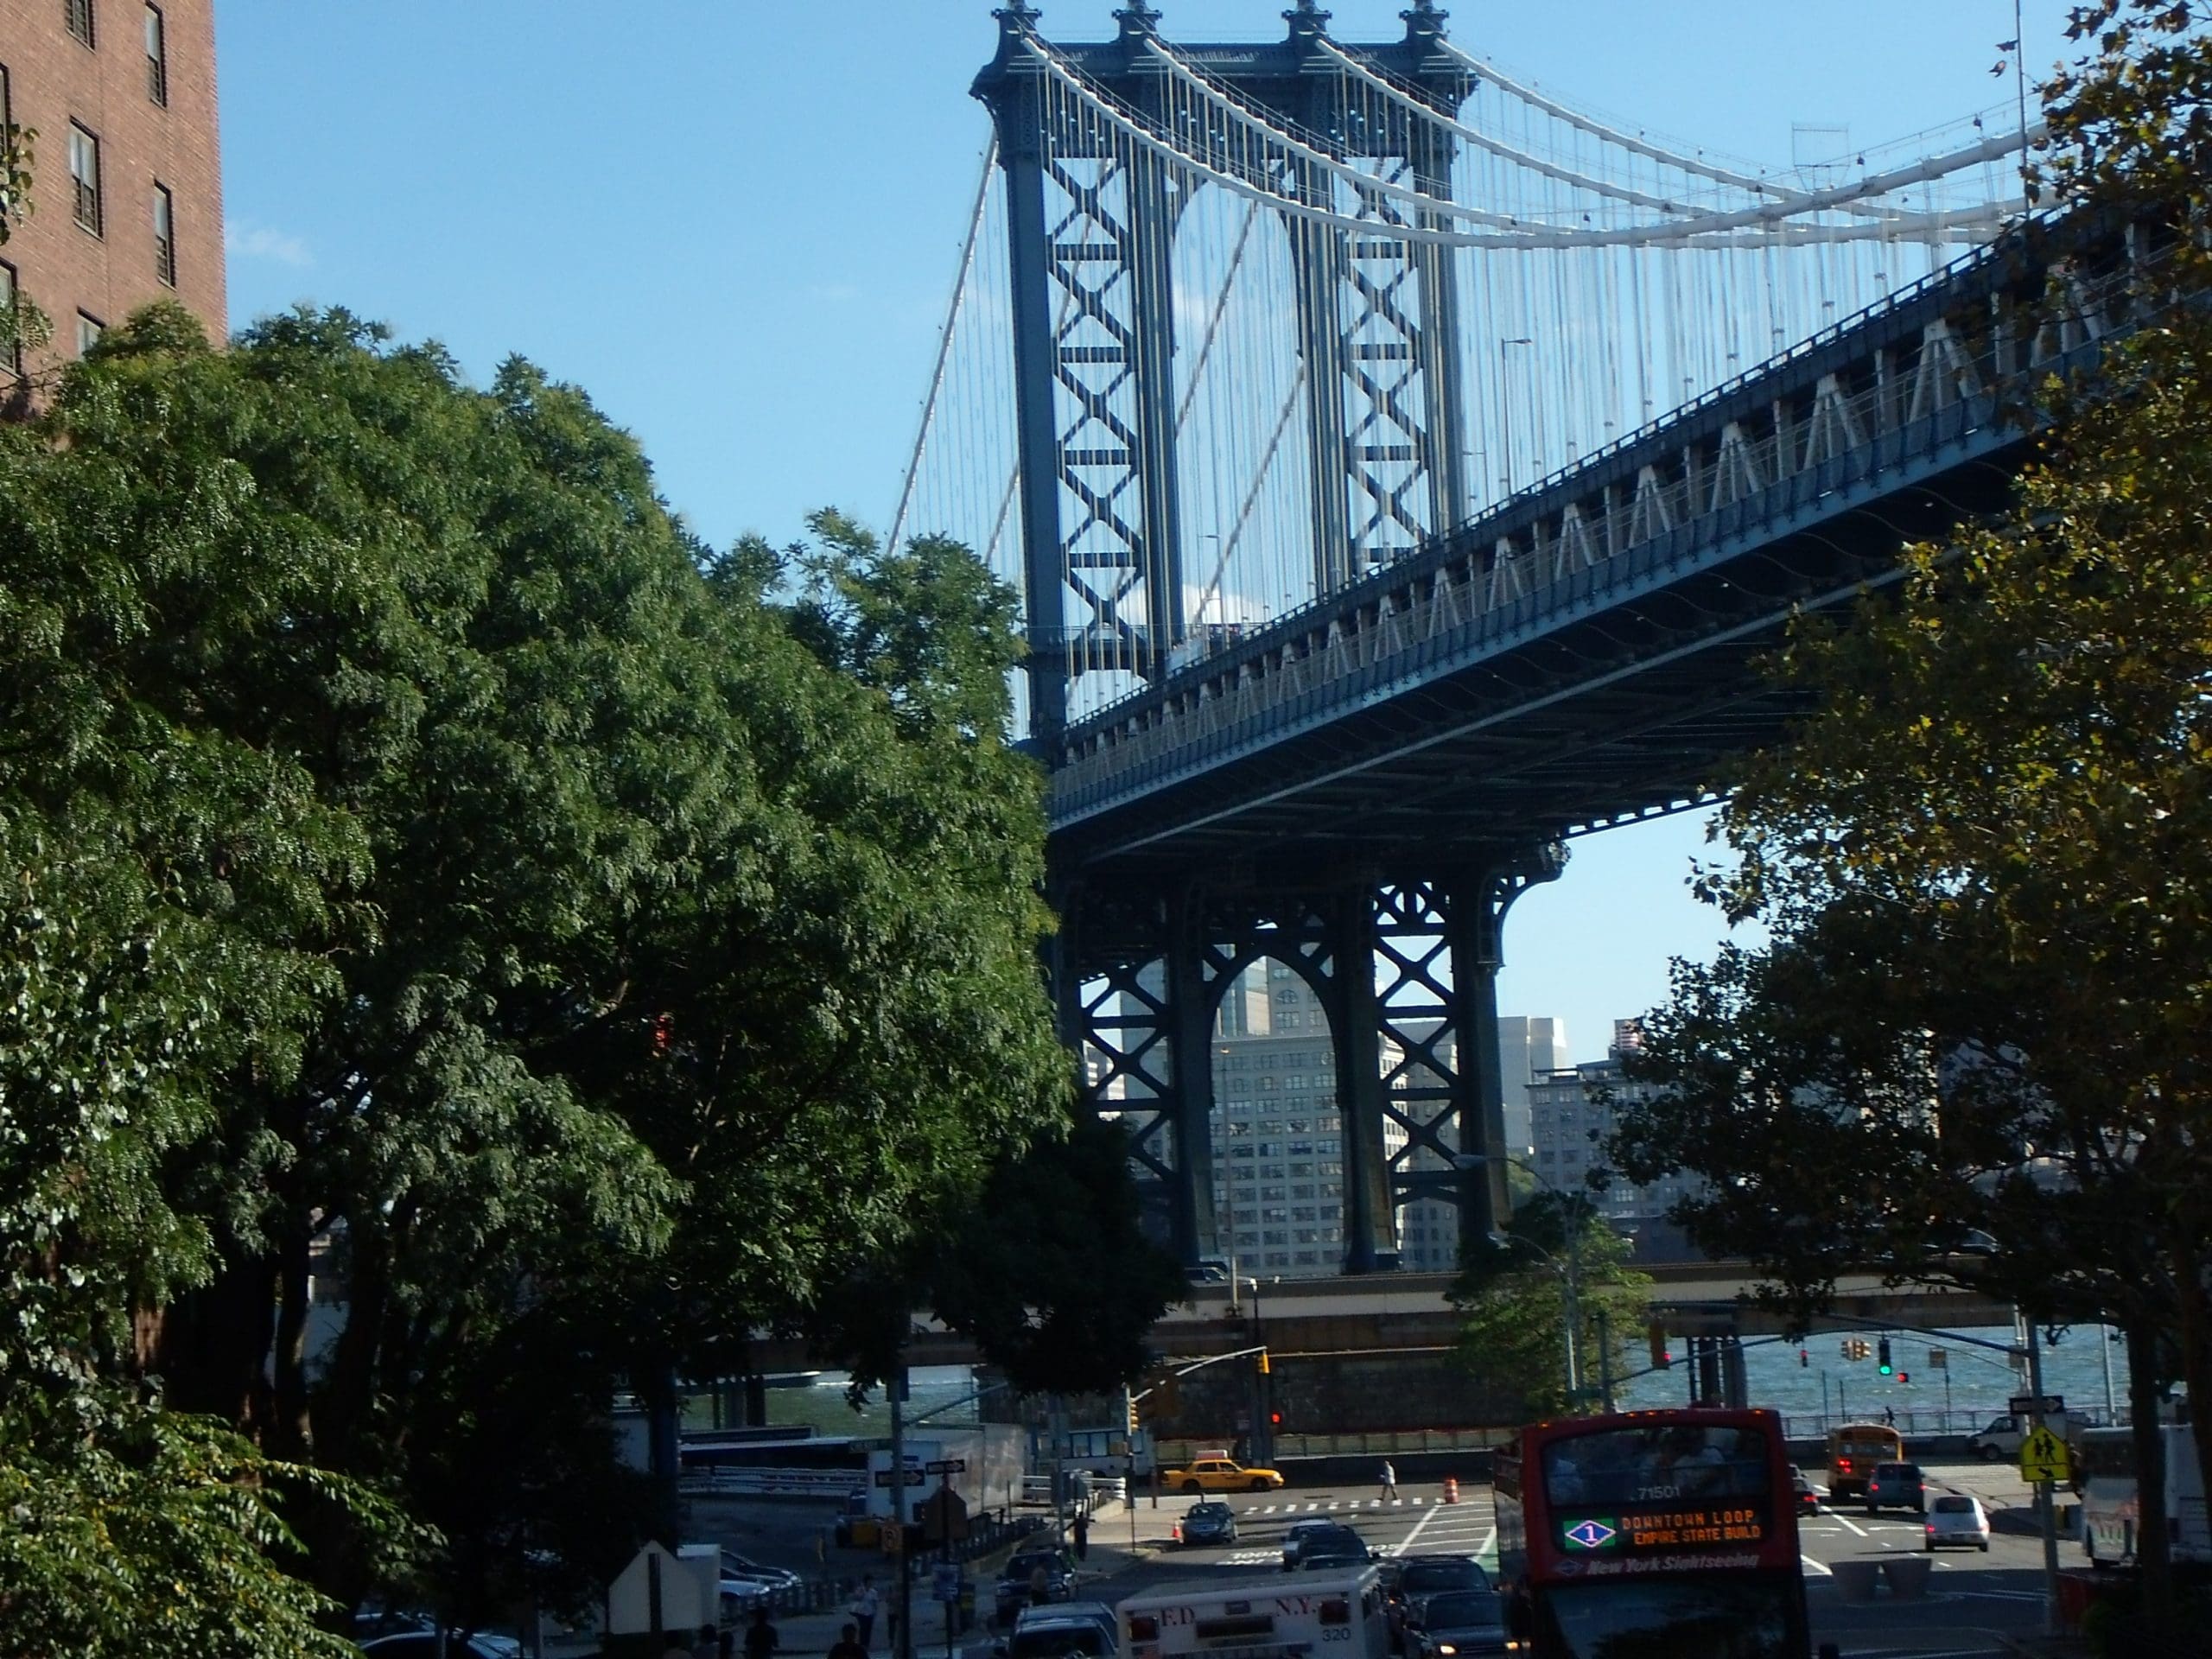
1887, 1369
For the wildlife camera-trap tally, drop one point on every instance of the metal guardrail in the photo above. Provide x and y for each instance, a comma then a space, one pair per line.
1549, 549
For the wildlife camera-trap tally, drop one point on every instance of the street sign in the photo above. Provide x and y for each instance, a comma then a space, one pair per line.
2026, 1405
2042, 1457
946, 1466
1939, 1359
944, 1517
944, 1583
913, 1476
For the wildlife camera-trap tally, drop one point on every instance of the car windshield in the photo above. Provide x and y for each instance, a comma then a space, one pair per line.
1955, 1506
1020, 1567
1426, 1576
1462, 1610
1897, 1471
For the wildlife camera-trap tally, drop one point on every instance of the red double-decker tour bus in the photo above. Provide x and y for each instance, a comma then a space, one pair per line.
1649, 1534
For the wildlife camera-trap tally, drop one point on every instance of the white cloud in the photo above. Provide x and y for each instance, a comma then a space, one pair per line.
247, 241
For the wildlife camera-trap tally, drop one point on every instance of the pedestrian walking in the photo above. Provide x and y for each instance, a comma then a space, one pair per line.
862, 1608
761, 1638
1082, 1537
1389, 1480
848, 1646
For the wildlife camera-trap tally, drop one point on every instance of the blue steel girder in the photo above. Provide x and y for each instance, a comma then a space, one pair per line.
1584, 653
1389, 449
1101, 445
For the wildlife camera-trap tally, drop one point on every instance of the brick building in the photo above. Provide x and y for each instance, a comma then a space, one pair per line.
126, 196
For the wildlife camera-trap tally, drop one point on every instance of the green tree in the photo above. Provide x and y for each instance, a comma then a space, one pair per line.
1050, 1271
1512, 1295
595, 965
1971, 1052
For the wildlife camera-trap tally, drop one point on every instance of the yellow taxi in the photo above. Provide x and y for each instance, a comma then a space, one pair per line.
1222, 1474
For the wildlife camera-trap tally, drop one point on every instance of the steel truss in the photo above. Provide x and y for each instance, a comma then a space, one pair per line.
1090, 239
1406, 971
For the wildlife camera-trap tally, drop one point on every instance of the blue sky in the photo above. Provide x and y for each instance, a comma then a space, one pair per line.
735, 224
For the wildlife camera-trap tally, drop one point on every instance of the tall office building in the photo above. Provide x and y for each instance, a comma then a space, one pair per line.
1277, 1135
127, 191
1529, 1045
1572, 1112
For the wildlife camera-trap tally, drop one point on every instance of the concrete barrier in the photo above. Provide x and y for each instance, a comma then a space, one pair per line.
1908, 1576
1855, 1580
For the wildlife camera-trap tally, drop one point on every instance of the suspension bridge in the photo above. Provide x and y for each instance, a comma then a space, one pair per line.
1402, 467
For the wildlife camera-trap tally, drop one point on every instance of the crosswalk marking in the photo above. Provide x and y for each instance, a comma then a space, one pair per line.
1337, 1503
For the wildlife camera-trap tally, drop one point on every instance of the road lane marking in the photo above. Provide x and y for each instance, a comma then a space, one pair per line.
1853, 1525
1419, 1527
1818, 1568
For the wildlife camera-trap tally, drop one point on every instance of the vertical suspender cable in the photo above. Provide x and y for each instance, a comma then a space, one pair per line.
944, 339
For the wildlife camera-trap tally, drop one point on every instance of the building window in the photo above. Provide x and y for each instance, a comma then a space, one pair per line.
157, 59
165, 236
79, 16
85, 170
89, 330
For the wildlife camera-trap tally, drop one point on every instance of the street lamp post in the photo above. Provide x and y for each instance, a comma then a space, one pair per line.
1570, 1271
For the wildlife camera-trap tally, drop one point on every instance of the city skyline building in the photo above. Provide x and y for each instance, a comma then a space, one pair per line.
1572, 1109
1529, 1045
118, 101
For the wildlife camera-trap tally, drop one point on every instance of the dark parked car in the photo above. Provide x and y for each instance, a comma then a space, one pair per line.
1067, 1629
1895, 1486
1210, 1523
1332, 1551
1454, 1624
1019, 1577
1293, 1539
424, 1645
1417, 1579
1808, 1501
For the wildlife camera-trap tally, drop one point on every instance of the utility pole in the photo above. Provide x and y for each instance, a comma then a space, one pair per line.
903, 1648
2044, 1511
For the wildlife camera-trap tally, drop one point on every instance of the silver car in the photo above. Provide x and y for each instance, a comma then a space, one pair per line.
1956, 1521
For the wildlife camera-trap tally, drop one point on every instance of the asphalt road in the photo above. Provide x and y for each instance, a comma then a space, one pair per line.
1971, 1596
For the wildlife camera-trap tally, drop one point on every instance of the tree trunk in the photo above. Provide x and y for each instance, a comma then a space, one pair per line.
291, 1427
214, 1342
2154, 1557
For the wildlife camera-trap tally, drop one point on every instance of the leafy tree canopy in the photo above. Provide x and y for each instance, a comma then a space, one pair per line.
473, 892
1512, 1295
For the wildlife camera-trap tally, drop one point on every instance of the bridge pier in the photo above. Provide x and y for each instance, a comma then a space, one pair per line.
1404, 969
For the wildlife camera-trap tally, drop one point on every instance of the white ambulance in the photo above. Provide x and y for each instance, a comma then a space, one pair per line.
1318, 1615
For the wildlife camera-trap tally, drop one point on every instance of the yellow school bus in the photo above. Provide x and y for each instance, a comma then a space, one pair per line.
1853, 1450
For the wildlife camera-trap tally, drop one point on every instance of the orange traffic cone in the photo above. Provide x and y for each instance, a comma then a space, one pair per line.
1450, 1489
1175, 1534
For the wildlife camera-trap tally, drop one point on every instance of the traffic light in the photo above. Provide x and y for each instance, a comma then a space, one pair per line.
1275, 1419
1884, 1365
1804, 1359
1660, 1359
1132, 1402
1904, 1377
1264, 1370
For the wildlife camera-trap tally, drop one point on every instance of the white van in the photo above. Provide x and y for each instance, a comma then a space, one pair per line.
1316, 1616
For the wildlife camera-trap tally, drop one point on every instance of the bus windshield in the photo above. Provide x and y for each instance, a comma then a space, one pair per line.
1652, 1464
1713, 1618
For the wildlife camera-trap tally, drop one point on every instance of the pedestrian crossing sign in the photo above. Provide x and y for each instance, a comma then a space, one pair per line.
2042, 1457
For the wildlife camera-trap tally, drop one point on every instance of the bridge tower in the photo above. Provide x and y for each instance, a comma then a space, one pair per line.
1090, 232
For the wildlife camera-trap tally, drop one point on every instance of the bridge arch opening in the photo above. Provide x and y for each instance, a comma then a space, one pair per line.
1275, 1128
